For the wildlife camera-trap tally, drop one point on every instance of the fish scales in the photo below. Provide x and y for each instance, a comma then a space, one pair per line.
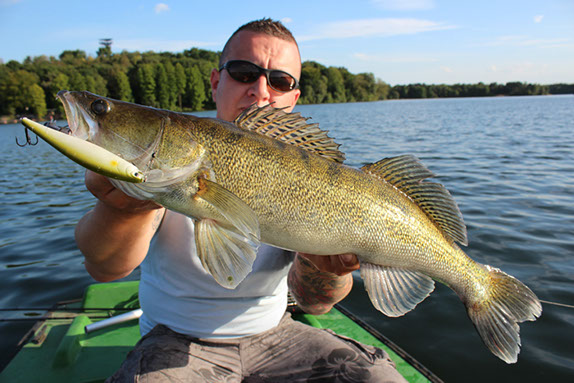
316, 204
271, 177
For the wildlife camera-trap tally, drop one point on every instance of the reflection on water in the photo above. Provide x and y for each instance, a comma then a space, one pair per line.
509, 162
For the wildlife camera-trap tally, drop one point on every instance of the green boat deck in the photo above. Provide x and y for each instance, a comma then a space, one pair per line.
57, 349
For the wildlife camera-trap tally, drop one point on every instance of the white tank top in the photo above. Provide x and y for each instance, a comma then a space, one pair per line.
177, 292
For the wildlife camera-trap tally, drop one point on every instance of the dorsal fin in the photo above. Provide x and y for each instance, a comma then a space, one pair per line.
406, 173
289, 128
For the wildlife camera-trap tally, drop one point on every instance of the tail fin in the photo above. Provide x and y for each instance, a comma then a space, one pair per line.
496, 318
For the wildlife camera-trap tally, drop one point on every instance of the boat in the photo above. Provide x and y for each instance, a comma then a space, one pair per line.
75, 341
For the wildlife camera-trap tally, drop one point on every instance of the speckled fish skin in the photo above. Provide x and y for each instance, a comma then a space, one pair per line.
310, 203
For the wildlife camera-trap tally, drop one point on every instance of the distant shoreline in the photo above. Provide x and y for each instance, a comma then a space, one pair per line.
8, 120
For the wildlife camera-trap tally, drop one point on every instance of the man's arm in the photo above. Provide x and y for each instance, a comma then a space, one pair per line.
114, 237
319, 282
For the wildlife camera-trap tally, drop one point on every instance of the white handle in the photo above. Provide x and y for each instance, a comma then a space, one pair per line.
114, 320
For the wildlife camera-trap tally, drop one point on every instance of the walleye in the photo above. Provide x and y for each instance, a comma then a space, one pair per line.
271, 177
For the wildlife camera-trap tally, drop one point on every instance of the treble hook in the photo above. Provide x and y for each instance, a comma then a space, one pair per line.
51, 124
28, 139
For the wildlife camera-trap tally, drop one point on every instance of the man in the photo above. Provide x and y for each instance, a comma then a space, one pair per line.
195, 330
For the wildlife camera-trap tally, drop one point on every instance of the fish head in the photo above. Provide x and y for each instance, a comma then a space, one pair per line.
123, 128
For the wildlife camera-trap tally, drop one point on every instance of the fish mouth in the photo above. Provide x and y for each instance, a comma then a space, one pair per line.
80, 123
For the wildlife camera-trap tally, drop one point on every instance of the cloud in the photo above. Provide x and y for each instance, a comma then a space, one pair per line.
286, 20
520, 69
161, 7
394, 59
373, 27
538, 18
526, 41
404, 5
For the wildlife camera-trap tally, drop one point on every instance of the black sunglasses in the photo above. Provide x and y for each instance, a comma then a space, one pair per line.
246, 72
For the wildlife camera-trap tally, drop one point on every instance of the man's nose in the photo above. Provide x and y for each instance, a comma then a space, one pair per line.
260, 89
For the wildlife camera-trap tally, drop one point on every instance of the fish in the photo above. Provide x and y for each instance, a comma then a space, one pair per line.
271, 177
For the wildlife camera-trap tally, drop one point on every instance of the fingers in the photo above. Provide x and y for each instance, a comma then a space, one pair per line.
340, 264
97, 184
101, 187
349, 260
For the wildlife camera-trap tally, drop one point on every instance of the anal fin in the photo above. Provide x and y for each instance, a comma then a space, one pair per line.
395, 291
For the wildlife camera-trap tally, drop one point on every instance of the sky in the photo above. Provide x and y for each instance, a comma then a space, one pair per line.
399, 41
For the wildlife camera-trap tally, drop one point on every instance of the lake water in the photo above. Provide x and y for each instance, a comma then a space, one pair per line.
509, 163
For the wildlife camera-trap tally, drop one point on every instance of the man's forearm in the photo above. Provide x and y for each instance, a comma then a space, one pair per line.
115, 243
316, 292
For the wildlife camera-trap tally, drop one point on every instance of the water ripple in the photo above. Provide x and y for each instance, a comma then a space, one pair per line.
509, 163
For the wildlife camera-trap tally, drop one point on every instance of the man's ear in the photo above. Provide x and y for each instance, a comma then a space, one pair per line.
296, 95
214, 78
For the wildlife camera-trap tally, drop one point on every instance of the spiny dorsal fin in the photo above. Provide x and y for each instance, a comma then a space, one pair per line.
289, 128
406, 173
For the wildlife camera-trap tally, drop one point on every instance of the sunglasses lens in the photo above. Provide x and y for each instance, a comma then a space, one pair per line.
247, 72
281, 81
243, 71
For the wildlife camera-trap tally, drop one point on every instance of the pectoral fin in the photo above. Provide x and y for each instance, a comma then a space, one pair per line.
395, 291
227, 249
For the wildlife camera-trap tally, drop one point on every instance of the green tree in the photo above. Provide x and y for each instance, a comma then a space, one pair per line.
516, 89
4, 102
180, 83
37, 101
312, 78
162, 87
382, 90
171, 85
417, 91
104, 52
184, 81
205, 68
195, 89
75, 57
58, 83
23, 94
96, 84
119, 86
145, 80
77, 81
336, 85
363, 87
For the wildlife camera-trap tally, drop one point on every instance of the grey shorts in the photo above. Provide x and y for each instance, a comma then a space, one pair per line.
291, 352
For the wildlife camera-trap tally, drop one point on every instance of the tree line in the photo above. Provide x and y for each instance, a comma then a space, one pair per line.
180, 81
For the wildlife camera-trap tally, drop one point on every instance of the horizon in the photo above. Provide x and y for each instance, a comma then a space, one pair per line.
94, 56
400, 42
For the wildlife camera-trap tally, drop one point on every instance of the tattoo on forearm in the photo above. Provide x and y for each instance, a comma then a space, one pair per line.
313, 288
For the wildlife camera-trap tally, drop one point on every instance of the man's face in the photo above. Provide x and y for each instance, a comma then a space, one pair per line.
232, 97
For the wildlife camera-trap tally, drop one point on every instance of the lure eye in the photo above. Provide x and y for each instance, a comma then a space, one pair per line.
100, 107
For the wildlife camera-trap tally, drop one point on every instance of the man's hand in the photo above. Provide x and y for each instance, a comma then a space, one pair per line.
103, 190
340, 265
318, 282
115, 236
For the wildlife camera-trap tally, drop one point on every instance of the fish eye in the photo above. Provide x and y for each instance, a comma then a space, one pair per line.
100, 107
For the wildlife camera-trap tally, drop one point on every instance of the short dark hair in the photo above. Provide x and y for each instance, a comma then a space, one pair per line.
264, 26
